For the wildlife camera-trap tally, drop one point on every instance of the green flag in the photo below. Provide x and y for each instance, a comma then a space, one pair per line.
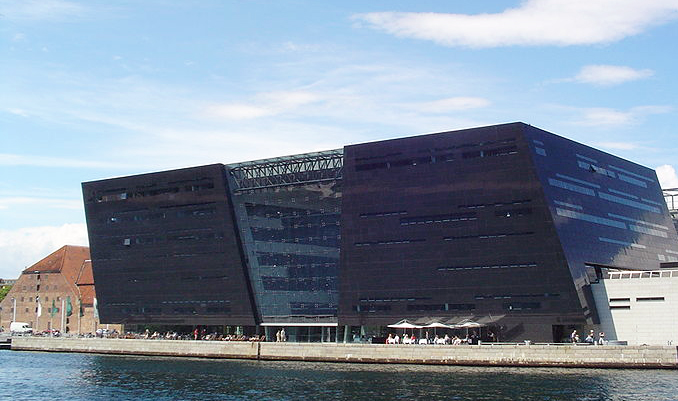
69, 306
53, 311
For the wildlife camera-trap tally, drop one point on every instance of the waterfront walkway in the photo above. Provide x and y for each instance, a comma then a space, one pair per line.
487, 354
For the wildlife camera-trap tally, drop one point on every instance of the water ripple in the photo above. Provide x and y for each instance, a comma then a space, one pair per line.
32, 375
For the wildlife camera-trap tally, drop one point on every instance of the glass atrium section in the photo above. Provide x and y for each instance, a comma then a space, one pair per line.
287, 212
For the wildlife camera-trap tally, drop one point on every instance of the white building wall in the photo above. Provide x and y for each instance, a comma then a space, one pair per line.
639, 307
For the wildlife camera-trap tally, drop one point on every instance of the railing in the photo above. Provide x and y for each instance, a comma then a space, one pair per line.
640, 274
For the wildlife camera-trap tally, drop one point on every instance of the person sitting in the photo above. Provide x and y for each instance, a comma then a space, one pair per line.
601, 338
590, 339
447, 339
389, 339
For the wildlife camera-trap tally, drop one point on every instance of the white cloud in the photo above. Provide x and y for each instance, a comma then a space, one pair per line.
23, 247
534, 22
607, 75
40, 9
602, 116
290, 99
618, 145
7, 159
18, 112
51, 203
605, 116
667, 176
449, 105
238, 111
265, 105
300, 47
330, 104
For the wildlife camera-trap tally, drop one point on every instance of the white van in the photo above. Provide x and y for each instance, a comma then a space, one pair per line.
20, 328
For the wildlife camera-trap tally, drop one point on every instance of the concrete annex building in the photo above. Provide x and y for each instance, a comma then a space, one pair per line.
506, 225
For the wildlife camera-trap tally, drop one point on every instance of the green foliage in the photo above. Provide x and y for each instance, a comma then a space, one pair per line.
3, 291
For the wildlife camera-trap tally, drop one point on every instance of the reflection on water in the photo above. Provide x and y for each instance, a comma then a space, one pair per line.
33, 375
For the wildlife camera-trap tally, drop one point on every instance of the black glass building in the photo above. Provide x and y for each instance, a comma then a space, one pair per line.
505, 225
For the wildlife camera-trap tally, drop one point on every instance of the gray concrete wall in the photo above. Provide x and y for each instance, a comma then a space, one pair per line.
481, 355
207, 349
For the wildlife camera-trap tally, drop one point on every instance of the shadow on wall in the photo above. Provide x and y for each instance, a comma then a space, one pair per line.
513, 333
601, 299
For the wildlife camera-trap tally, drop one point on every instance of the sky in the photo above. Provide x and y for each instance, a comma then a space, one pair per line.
99, 89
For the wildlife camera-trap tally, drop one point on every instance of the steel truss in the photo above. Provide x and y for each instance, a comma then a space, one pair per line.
288, 170
671, 198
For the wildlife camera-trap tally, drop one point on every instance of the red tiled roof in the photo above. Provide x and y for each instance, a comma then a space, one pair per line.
67, 260
85, 283
86, 276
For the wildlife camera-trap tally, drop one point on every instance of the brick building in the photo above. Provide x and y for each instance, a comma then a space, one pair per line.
55, 293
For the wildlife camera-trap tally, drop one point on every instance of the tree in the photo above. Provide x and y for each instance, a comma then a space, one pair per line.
3, 291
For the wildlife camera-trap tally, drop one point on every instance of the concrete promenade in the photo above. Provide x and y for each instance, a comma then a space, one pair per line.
561, 355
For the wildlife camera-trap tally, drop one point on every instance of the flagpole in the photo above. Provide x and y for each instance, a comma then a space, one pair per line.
95, 315
79, 314
37, 313
52, 312
63, 314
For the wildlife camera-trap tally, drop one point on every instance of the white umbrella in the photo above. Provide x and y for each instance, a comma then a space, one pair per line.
470, 324
404, 324
436, 325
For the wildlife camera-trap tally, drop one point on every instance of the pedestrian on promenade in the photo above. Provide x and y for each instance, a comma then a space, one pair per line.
590, 339
574, 337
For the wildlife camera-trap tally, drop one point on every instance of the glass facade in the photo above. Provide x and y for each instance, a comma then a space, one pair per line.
164, 249
606, 210
504, 224
450, 225
290, 232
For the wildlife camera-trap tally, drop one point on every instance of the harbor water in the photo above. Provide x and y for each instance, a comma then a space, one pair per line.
41, 375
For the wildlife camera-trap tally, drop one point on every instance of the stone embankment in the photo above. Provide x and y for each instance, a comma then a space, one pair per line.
654, 357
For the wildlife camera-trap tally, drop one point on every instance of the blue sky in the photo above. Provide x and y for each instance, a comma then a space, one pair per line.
98, 89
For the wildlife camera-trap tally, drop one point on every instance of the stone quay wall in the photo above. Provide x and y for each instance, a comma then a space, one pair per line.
608, 356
